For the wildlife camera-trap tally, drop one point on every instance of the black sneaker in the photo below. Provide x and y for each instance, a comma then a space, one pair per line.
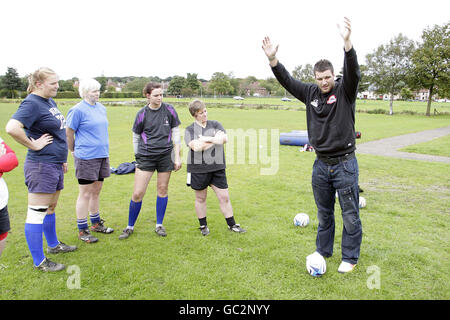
161, 231
204, 230
125, 233
100, 227
86, 236
237, 228
61, 247
50, 266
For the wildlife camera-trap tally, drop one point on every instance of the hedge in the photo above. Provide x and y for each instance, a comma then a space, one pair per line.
119, 95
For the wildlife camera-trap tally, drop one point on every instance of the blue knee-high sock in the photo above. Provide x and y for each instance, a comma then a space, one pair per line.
82, 224
94, 217
133, 213
33, 234
49, 228
161, 205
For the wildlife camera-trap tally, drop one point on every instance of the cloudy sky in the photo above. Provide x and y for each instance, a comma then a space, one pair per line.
89, 38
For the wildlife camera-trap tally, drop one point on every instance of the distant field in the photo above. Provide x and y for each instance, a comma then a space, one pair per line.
367, 106
361, 105
416, 107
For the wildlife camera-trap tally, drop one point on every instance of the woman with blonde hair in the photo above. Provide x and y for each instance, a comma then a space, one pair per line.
40, 126
87, 139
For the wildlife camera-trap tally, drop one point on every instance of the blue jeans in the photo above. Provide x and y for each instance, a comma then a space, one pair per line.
326, 180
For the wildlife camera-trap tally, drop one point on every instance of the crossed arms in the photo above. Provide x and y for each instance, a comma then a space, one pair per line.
204, 142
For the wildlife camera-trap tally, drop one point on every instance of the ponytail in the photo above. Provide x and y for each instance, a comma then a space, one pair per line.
40, 75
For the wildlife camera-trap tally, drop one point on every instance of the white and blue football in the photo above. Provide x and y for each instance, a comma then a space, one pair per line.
315, 264
301, 220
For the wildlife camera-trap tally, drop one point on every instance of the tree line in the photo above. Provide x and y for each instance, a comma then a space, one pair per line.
398, 67
402, 66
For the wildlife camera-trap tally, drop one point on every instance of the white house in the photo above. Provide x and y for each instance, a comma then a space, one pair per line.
367, 95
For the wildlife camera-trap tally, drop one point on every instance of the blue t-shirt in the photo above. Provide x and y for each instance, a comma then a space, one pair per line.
39, 116
90, 124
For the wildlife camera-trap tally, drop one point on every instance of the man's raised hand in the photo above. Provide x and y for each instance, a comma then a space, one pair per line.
346, 31
270, 51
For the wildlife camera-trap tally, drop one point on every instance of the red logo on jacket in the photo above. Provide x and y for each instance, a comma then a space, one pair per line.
331, 99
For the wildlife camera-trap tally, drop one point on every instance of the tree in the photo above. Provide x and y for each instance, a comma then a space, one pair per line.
66, 85
191, 83
176, 85
249, 80
11, 82
234, 82
136, 85
220, 84
103, 82
110, 89
431, 63
304, 74
406, 93
272, 86
389, 65
244, 86
24, 83
364, 82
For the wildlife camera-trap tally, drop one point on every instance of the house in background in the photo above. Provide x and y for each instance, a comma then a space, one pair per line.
116, 85
254, 89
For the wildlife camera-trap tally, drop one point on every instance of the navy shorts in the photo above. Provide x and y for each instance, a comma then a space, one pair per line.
43, 177
200, 181
4, 220
161, 163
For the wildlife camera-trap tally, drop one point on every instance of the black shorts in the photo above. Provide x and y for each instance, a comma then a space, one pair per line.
4, 220
160, 163
86, 182
200, 181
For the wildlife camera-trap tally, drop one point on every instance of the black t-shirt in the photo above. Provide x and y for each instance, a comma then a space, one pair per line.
155, 129
210, 160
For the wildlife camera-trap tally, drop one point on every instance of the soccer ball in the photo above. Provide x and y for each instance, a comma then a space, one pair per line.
301, 220
315, 264
362, 202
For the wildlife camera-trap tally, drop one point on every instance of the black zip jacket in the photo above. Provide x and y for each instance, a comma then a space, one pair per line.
330, 117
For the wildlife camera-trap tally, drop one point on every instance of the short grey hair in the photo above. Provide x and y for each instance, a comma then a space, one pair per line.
87, 85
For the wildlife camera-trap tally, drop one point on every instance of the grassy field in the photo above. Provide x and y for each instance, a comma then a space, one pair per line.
370, 106
363, 106
436, 147
404, 253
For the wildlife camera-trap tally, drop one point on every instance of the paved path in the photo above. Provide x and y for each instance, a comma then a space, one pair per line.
389, 146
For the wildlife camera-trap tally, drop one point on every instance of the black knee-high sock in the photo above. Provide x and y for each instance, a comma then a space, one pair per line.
202, 221
230, 221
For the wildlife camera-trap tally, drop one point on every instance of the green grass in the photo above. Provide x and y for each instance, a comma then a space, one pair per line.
435, 147
362, 106
405, 225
